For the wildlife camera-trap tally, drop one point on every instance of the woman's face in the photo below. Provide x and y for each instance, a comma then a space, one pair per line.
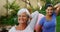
23, 18
49, 10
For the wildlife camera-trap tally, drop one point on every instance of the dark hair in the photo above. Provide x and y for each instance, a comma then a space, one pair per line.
48, 5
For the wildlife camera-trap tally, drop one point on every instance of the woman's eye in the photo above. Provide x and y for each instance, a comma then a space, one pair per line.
48, 10
51, 9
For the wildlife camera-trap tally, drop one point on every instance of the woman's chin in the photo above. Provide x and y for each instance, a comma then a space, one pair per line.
21, 22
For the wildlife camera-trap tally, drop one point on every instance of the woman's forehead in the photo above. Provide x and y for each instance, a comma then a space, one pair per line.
50, 8
23, 13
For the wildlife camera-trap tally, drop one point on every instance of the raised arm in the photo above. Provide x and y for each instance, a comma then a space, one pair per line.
57, 8
33, 20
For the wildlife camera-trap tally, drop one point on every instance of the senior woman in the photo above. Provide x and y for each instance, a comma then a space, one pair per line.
23, 18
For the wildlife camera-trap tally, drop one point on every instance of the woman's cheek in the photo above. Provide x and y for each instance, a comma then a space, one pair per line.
24, 18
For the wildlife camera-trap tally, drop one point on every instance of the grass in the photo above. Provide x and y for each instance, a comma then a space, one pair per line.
58, 24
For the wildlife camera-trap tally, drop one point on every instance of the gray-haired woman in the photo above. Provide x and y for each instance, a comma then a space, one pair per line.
23, 18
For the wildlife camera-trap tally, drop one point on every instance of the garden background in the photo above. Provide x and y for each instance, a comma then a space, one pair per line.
9, 9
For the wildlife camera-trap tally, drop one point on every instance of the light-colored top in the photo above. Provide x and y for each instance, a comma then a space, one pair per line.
30, 27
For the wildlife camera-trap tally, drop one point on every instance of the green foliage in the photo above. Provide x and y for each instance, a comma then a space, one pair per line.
43, 10
58, 24
12, 19
9, 19
51, 1
12, 5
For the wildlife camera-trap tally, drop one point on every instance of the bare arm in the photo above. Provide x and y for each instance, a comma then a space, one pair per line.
39, 28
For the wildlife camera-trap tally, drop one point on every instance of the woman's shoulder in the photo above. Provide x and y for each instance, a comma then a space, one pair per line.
12, 29
43, 18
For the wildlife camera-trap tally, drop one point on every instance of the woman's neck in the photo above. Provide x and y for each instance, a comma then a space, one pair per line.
48, 17
21, 26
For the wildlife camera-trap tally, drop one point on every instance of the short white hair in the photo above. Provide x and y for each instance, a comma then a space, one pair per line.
22, 11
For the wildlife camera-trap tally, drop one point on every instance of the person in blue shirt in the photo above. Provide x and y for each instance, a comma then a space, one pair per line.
48, 23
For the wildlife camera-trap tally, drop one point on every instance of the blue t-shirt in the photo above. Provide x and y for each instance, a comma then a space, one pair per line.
54, 15
48, 25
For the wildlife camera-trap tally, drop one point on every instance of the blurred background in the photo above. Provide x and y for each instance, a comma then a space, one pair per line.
9, 9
